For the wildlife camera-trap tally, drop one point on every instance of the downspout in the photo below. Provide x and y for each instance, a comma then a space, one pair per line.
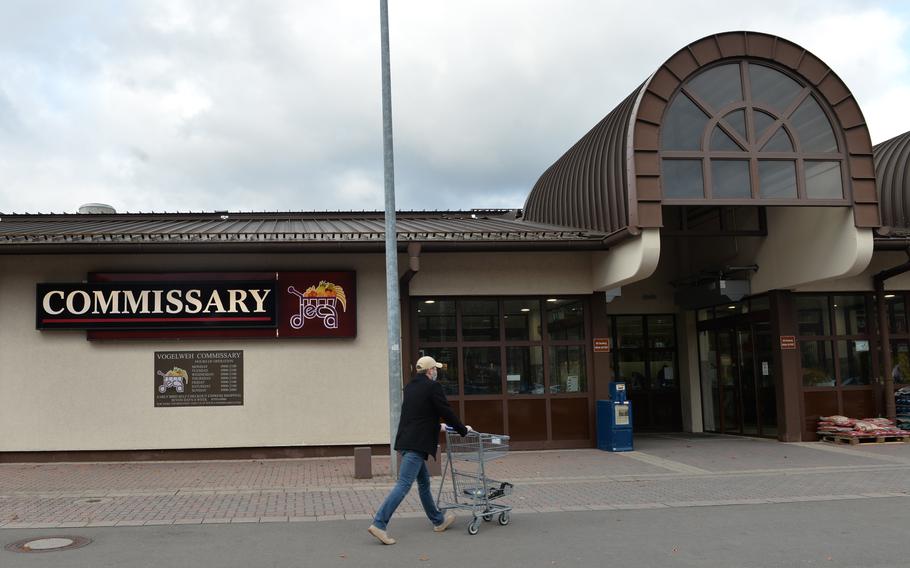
404, 289
413, 264
885, 333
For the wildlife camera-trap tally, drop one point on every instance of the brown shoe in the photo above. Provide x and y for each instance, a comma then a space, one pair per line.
380, 535
446, 523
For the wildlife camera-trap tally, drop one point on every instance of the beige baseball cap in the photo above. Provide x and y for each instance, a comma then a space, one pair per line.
425, 363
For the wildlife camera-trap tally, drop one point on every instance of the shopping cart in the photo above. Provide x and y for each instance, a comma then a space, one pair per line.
472, 490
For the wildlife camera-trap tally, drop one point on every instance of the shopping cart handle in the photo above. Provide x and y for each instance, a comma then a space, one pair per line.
450, 429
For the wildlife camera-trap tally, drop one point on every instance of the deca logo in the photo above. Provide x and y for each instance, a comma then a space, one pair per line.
319, 302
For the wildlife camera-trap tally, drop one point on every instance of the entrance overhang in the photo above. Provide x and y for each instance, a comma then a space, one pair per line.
810, 244
630, 261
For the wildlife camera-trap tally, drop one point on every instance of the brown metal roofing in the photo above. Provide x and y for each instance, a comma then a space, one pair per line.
610, 179
311, 231
892, 172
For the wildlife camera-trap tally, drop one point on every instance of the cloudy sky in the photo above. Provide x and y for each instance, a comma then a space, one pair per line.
275, 105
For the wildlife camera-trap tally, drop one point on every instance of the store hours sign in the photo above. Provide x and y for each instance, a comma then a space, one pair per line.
198, 378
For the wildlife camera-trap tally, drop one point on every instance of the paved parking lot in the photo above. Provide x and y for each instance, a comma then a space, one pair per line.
665, 471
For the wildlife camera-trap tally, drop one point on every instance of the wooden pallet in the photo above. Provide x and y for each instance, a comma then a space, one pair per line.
871, 439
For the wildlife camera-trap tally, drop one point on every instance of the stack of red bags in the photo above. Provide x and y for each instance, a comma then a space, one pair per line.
866, 428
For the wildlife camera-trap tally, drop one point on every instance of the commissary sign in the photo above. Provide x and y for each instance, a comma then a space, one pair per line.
157, 305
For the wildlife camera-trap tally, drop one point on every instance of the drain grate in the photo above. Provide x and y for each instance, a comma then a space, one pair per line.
48, 544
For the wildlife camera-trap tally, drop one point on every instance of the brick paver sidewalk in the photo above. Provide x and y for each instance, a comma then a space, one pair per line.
664, 471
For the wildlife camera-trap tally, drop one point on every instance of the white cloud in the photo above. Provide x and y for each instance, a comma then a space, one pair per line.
275, 105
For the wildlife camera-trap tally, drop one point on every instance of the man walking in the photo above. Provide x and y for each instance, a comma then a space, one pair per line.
424, 403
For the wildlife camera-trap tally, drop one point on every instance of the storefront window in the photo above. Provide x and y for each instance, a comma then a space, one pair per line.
497, 347
565, 319
482, 370
900, 356
897, 313
630, 369
524, 374
663, 365
630, 332
448, 375
661, 332
480, 320
817, 363
812, 315
855, 362
645, 357
436, 321
850, 315
522, 320
567, 369
838, 355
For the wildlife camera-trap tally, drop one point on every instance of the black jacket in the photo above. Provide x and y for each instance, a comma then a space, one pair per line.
423, 404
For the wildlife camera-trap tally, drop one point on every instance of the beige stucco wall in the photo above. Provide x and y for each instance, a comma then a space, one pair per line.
59, 391
503, 274
62, 392
810, 244
881, 260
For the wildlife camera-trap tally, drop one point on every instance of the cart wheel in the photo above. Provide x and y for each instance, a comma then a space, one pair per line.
488, 517
474, 527
504, 518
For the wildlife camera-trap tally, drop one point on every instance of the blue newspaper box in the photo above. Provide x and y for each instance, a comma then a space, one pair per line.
614, 421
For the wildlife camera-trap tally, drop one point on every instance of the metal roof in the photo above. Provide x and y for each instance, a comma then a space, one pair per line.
610, 180
364, 231
892, 173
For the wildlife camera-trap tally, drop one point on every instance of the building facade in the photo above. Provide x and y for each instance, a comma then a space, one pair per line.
726, 241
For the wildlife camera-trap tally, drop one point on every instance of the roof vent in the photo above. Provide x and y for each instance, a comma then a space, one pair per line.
96, 209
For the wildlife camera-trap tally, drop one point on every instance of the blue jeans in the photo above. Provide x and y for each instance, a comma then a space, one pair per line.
412, 467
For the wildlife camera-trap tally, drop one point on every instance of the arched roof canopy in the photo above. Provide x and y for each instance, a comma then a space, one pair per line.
892, 172
732, 119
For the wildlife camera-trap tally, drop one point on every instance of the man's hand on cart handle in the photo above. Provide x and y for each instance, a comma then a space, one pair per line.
445, 427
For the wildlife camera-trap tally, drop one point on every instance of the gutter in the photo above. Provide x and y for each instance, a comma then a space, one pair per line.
350, 246
891, 243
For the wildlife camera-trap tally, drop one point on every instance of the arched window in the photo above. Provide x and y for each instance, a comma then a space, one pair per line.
748, 131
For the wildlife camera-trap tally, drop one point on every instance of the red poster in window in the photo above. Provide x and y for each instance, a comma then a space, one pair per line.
317, 304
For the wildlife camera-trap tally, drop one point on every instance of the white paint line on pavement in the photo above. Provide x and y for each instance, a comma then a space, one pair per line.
664, 463
688, 472
638, 506
848, 450
535, 510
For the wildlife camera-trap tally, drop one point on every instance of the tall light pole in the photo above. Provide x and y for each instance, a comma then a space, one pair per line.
391, 241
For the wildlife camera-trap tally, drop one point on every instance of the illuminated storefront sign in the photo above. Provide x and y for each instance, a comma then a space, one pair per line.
266, 304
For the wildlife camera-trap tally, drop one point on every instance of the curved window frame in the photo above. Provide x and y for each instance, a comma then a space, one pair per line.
752, 152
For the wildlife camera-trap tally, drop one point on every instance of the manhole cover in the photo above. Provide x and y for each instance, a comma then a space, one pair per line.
92, 500
48, 544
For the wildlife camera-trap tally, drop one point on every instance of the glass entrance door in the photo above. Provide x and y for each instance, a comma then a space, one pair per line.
748, 389
728, 365
737, 373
